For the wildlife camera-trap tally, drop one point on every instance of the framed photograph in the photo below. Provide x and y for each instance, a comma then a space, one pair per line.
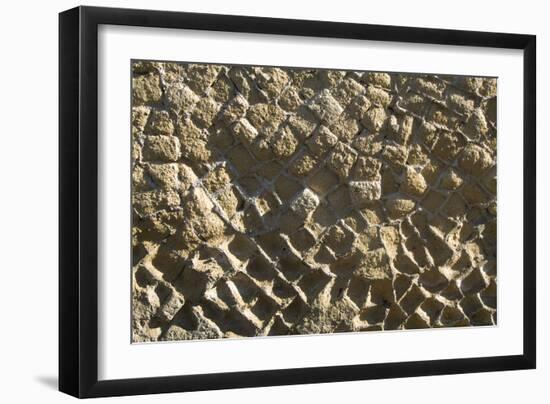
251, 201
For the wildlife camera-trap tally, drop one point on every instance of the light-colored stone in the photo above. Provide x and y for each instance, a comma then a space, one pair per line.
305, 203
276, 201
365, 191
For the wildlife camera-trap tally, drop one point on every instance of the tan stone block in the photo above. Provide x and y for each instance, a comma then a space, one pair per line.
140, 115
200, 77
397, 208
229, 200
368, 144
345, 127
304, 164
364, 192
164, 175
290, 99
346, 90
359, 106
272, 80
475, 160
451, 180
181, 99
378, 97
244, 131
302, 124
374, 119
146, 89
377, 79
284, 144
366, 168
322, 141
414, 183
325, 107
161, 149
159, 123
234, 110
205, 111
217, 179
266, 118
448, 146
341, 159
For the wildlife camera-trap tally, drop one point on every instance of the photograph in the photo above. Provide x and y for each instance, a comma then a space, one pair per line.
271, 201
275, 202
296, 198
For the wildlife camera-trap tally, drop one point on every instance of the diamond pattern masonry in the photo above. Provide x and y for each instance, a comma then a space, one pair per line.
279, 201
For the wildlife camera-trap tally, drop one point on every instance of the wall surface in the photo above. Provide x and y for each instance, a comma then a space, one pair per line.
28, 345
278, 201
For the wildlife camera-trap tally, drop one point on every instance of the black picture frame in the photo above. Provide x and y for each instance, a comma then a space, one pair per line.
78, 201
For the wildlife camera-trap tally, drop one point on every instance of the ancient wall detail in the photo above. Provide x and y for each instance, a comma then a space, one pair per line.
278, 201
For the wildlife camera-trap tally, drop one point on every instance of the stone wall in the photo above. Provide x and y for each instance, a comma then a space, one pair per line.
277, 201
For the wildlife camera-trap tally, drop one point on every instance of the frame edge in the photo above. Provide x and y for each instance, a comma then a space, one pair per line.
69, 114
78, 238
530, 201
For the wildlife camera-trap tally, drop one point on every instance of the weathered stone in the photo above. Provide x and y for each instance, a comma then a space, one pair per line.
368, 144
378, 96
304, 164
325, 107
475, 160
341, 159
161, 148
229, 201
200, 77
461, 103
414, 183
146, 203
448, 146
398, 207
159, 123
241, 159
400, 130
378, 79
427, 85
396, 156
476, 125
223, 89
139, 118
217, 179
266, 118
366, 169
345, 127
272, 80
363, 192
451, 180
164, 175
284, 144
277, 201
322, 141
181, 99
374, 119
359, 106
346, 90
244, 131
146, 89
234, 110
204, 112
302, 124
374, 265
290, 99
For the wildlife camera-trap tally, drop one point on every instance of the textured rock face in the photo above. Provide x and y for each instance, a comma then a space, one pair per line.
272, 201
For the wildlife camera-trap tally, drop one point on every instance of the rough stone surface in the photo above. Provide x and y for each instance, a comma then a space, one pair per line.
277, 201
